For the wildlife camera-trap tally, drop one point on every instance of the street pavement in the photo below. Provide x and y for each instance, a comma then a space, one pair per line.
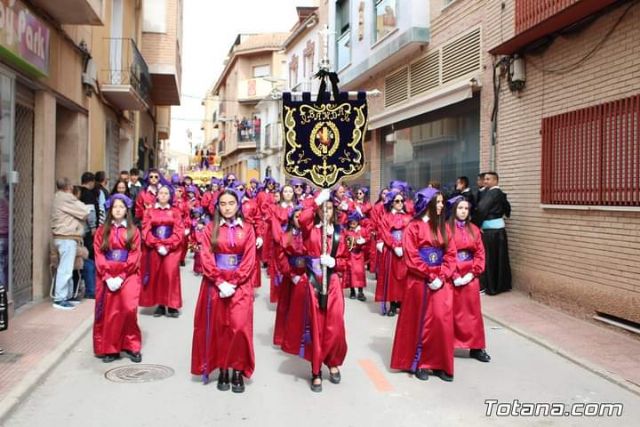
76, 392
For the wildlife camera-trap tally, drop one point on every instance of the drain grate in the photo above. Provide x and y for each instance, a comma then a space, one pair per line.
139, 373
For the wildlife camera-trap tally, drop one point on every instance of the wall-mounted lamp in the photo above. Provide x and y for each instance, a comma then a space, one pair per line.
517, 76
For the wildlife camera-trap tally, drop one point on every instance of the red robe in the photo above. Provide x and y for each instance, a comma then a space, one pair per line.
467, 315
365, 209
289, 246
377, 212
115, 328
145, 200
264, 201
279, 216
321, 334
424, 332
253, 217
182, 206
161, 274
358, 277
392, 270
223, 327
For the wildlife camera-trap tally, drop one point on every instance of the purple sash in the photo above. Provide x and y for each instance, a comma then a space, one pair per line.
119, 255
397, 235
431, 256
162, 231
228, 261
465, 255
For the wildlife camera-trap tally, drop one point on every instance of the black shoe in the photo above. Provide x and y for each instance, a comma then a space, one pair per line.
110, 358
334, 377
352, 295
160, 311
392, 311
237, 382
173, 312
443, 375
480, 354
135, 357
422, 374
361, 296
223, 380
182, 264
316, 387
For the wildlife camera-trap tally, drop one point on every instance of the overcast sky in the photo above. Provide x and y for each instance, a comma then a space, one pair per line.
210, 27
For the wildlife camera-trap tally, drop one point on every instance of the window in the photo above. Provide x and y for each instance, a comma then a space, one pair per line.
293, 71
308, 59
261, 71
343, 31
155, 16
591, 156
385, 17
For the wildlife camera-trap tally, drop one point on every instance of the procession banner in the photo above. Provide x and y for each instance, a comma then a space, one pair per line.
324, 139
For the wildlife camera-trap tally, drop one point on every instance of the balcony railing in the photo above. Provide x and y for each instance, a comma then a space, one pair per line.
127, 68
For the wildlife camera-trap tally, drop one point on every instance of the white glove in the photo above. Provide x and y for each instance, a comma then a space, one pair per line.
360, 241
114, 283
324, 196
459, 281
259, 242
295, 279
398, 251
187, 231
436, 284
343, 206
162, 250
467, 278
328, 260
226, 289
380, 246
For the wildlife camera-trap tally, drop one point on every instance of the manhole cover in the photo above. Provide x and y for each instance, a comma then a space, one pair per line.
139, 373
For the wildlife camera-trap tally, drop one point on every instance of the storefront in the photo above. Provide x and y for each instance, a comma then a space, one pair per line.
437, 146
24, 57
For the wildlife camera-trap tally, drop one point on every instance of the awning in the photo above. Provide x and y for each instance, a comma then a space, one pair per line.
448, 95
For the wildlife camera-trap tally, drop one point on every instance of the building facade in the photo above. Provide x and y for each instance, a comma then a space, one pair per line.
252, 63
76, 96
566, 146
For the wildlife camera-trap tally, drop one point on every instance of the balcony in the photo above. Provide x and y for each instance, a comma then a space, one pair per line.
535, 19
253, 90
73, 12
126, 83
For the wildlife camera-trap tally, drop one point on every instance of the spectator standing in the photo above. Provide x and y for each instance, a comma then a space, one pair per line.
89, 196
493, 207
68, 217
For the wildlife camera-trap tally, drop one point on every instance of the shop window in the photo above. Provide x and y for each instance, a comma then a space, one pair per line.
386, 20
438, 146
590, 156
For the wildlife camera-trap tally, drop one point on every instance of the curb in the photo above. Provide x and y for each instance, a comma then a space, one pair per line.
598, 370
18, 393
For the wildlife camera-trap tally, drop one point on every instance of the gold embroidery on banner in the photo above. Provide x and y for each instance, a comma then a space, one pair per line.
324, 142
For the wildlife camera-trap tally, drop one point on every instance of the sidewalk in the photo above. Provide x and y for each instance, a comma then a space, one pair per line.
38, 337
608, 353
